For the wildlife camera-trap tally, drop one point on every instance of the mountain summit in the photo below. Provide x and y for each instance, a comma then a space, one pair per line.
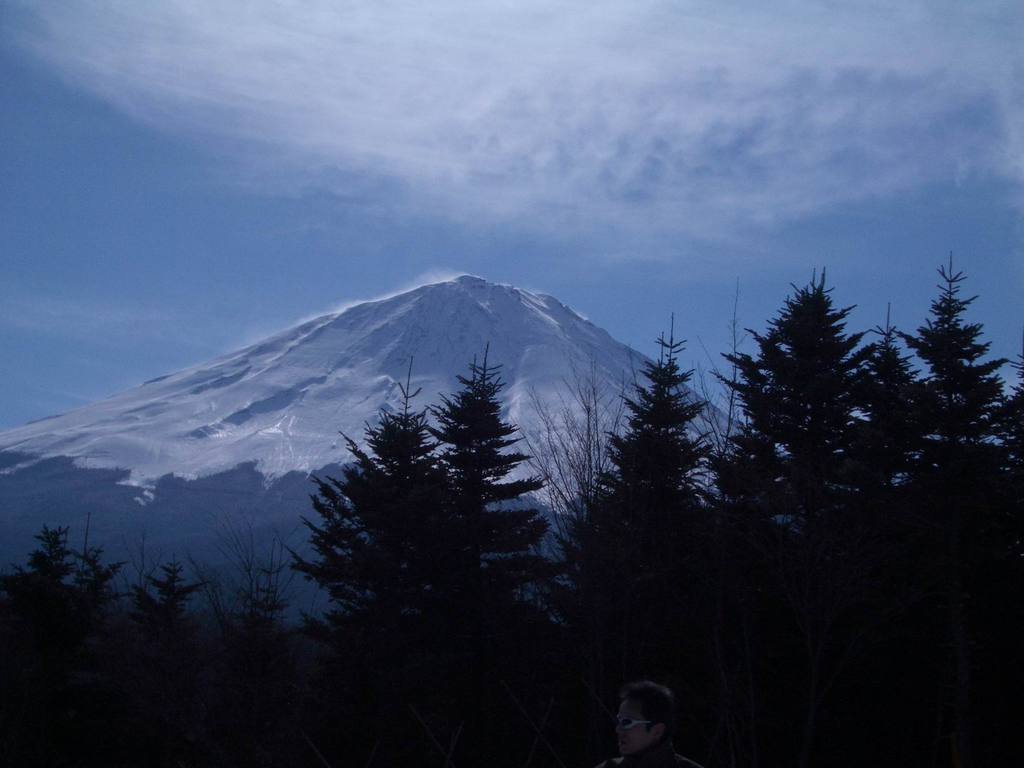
281, 402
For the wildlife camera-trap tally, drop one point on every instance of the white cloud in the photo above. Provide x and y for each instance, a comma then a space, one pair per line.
678, 117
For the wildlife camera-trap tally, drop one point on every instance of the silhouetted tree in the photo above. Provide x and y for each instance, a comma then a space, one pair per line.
159, 604
376, 526
254, 691
890, 435
791, 481
381, 545
954, 480
50, 611
658, 477
496, 564
157, 662
645, 528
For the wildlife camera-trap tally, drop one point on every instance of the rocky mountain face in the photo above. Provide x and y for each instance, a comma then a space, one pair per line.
192, 459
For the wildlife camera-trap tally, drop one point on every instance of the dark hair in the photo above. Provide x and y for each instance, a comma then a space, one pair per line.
657, 703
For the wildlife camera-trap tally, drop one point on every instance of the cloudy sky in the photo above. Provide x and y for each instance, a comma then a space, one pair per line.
178, 178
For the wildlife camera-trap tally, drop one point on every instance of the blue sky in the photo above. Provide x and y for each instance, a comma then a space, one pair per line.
179, 178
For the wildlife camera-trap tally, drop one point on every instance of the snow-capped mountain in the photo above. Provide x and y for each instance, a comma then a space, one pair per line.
281, 402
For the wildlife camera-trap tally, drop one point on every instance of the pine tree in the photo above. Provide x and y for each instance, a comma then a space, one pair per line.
890, 435
658, 463
959, 467
635, 558
638, 545
61, 594
789, 485
497, 568
499, 536
382, 547
159, 669
800, 398
52, 611
962, 391
159, 604
378, 526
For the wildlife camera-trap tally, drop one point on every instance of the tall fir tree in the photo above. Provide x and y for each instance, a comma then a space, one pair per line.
160, 668
645, 527
500, 536
375, 524
498, 568
61, 596
956, 482
159, 603
382, 546
789, 486
53, 614
630, 557
890, 436
659, 462
800, 397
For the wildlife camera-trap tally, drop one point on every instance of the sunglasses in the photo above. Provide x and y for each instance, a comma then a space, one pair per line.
625, 723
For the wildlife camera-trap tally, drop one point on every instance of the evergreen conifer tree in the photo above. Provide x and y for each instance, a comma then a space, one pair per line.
52, 698
658, 462
61, 594
499, 537
393, 548
378, 526
636, 551
379, 544
159, 669
957, 480
159, 604
496, 565
789, 484
800, 397
890, 435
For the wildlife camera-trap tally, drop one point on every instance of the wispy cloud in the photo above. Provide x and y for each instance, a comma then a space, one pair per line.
680, 117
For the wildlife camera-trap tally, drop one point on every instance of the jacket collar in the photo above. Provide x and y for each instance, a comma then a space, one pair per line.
655, 756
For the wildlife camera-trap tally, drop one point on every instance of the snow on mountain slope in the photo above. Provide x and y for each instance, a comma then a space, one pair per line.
282, 402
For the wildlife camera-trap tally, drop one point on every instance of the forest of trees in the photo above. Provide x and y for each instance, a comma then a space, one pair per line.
826, 564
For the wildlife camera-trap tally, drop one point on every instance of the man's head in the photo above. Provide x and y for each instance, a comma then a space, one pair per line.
646, 714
